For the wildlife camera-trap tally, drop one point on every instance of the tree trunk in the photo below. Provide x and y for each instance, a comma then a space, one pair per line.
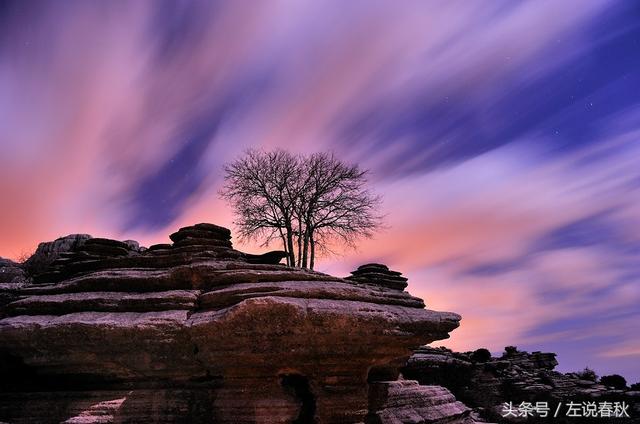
284, 244
292, 255
299, 243
305, 250
313, 251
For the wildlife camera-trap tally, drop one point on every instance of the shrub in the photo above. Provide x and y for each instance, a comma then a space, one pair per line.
614, 380
587, 374
635, 386
481, 355
510, 351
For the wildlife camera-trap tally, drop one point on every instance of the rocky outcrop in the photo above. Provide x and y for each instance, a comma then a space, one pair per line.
273, 257
11, 273
195, 331
405, 401
62, 244
516, 376
379, 275
12, 278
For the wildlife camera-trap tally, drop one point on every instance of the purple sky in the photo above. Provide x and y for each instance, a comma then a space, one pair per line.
503, 136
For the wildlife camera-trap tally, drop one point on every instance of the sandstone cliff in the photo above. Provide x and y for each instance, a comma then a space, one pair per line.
195, 331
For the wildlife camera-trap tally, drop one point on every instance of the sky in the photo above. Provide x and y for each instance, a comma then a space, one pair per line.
503, 136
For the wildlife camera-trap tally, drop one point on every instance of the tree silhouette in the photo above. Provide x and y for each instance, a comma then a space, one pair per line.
615, 380
303, 201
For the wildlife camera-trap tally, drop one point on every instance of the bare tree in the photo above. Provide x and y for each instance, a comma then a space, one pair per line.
313, 200
260, 187
337, 204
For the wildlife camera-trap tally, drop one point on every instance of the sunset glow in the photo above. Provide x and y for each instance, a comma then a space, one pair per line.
504, 138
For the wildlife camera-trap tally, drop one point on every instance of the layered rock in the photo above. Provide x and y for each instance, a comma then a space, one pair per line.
195, 331
12, 278
379, 275
61, 245
273, 257
516, 376
11, 273
405, 401
88, 255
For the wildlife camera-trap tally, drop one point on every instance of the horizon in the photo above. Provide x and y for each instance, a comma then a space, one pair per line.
502, 137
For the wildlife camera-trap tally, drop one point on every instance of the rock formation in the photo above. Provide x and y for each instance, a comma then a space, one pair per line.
405, 401
195, 331
515, 376
380, 275
273, 257
11, 273
12, 278
62, 244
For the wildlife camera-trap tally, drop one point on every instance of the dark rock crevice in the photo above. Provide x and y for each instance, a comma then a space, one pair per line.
299, 386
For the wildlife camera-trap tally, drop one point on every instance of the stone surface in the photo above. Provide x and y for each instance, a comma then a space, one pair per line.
108, 406
196, 331
67, 303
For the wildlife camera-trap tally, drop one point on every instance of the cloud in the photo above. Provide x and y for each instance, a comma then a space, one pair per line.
503, 137
631, 348
107, 104
532, 250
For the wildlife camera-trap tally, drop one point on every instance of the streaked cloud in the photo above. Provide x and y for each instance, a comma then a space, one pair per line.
503, 136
